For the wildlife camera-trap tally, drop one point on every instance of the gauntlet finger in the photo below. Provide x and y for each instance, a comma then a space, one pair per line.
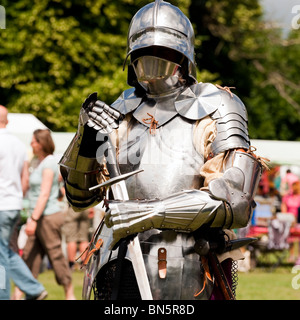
107, 219
130, 222
105, 116
93, 125
98, 127
102, 123
103, 107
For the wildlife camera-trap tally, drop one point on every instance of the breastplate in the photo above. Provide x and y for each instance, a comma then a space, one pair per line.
170, 163
167, 156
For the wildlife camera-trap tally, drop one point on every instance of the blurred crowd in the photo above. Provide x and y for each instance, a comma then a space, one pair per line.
278, 194
38, 229
278, 197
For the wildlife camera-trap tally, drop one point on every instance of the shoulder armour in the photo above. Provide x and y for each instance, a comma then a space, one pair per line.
198, 101
127, 102
231, 124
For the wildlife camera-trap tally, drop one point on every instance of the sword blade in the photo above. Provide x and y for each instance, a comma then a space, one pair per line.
120, 192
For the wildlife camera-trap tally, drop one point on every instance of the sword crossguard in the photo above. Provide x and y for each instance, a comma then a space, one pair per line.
115, 180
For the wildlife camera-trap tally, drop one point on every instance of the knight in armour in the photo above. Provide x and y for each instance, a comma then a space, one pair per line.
195, 172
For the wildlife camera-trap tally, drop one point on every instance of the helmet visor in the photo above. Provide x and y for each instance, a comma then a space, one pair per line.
149, 68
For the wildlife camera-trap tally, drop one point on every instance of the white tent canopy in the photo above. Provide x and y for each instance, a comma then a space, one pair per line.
23, 125
279, 152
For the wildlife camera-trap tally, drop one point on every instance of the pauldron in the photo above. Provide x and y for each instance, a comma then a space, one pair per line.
201, 100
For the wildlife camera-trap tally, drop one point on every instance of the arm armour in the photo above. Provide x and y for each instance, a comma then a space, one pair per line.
81, 169
228, 204
231, 124
237, 187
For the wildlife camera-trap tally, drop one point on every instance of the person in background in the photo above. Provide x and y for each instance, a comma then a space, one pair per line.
13, 183
76, 230
275, 198
44, 225
291, 204
287, 181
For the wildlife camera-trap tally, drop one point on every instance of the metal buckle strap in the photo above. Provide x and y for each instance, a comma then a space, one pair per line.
162, 263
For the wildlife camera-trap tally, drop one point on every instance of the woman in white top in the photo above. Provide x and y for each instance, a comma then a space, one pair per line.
44, 226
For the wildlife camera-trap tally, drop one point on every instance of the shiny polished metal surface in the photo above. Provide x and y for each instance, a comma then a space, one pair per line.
185, 275
183, 211
148, 67
161, 24
156, 75
232, 124
237, 186
168, 158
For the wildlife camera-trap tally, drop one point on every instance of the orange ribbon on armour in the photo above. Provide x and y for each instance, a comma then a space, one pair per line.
153, 123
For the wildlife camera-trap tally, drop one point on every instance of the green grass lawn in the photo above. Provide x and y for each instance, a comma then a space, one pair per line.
259, 284
56, 292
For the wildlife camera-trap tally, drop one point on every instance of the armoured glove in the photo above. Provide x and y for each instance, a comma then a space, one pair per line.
185, 211
79, 165
228, 204
98, 115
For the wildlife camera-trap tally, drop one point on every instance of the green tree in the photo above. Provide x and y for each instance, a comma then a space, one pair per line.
54, 53
244, 51
275, 95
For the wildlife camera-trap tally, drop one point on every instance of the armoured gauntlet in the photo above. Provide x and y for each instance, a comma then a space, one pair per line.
79, 165
184, 211
229, 204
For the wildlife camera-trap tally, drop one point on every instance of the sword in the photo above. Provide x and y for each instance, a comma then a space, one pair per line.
119, 190
217, 268
210, 249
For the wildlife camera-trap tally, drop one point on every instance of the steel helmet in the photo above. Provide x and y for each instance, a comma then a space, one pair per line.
160, 24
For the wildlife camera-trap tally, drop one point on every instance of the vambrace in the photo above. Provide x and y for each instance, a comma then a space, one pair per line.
81, 169
237, 187
184, 211
77, 184
229, 204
